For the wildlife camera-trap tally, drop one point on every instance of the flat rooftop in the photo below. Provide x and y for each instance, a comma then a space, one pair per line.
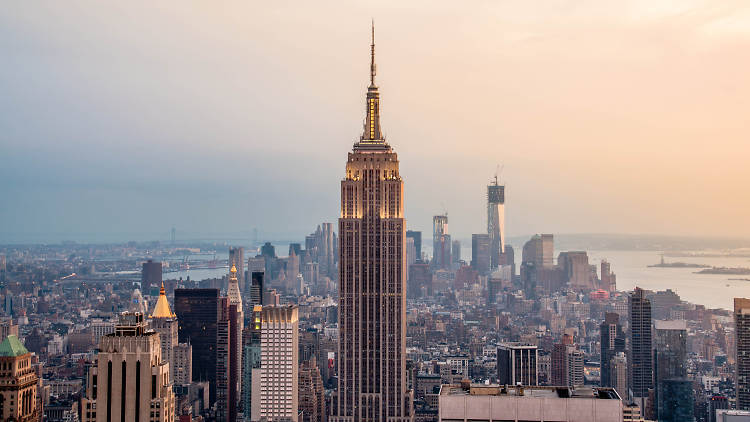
603, 393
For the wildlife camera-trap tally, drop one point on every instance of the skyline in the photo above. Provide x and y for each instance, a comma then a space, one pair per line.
135, 134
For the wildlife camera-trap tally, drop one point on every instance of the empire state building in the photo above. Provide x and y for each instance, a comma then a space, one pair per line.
372, 282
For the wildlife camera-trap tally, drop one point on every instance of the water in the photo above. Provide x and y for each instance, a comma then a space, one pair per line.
711, 290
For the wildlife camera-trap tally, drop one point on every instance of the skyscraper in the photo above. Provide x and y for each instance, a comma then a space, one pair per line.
164, 322
640, 369
237, 258
150, 276
480, 253
130, 381
455, 251
372, 382
670, 370
256, 287
235, 298
417, 236
198, 315
441, 243
612, 343
278, 393
496, 222
742, 351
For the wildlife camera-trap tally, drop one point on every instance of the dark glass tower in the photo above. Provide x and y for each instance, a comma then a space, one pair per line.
197, 311
640, 362
372, 286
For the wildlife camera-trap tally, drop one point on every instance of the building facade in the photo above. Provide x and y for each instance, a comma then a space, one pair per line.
742, 351
640, 362
278, 394
18, 382
372, 384
517, 363
130, 381
496, 222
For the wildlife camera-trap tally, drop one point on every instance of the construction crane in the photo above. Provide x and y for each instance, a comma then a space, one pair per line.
498, 172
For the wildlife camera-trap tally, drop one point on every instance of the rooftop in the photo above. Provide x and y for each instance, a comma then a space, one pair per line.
12, 347
530, 391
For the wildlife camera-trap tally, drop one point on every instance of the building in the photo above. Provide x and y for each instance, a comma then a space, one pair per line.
496, 223
612, 342
456, 251
130, 381
441, 243
164, 322
182, 360
618, 373
726, 415
18, 382
7, 328
420, 281
150, 277
312, 401
608, 278
372, 382
276, 388
640, 368
576, 271
517, 364
536, 264
465, 403
256, 288
235, 298
480, 253
715, 403
417, 236
670, 371
197, 312
251, 360
237, 258
567, 363
742, 351
227, 361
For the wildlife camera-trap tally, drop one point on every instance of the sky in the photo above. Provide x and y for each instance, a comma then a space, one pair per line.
121, 120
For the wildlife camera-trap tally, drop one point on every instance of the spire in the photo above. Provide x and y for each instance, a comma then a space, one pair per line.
162, 310
233, 273
371, 136
372, 56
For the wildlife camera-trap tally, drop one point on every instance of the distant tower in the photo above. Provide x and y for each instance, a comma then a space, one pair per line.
742, 351
150, 276
130, 381
496, 222
441, 243
612, 343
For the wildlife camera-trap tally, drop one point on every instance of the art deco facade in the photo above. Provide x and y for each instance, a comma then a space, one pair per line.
18, 382
130, 381
372, 279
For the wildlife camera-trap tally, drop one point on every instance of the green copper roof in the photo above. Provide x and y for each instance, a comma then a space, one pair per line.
12, 346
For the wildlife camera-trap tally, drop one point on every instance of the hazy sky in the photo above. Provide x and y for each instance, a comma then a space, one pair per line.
119, 120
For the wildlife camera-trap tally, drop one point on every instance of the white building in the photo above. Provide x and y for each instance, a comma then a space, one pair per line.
276, 389
463, 403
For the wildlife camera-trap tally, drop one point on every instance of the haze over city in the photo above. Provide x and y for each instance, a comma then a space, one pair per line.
122, 121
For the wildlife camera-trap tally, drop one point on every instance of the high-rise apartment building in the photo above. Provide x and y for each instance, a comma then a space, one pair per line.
150, 276
517, 364
640, 362
18, 382
372, 384
496, 222
197, 313
480, 253
612, 342
278, 382
130, 381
